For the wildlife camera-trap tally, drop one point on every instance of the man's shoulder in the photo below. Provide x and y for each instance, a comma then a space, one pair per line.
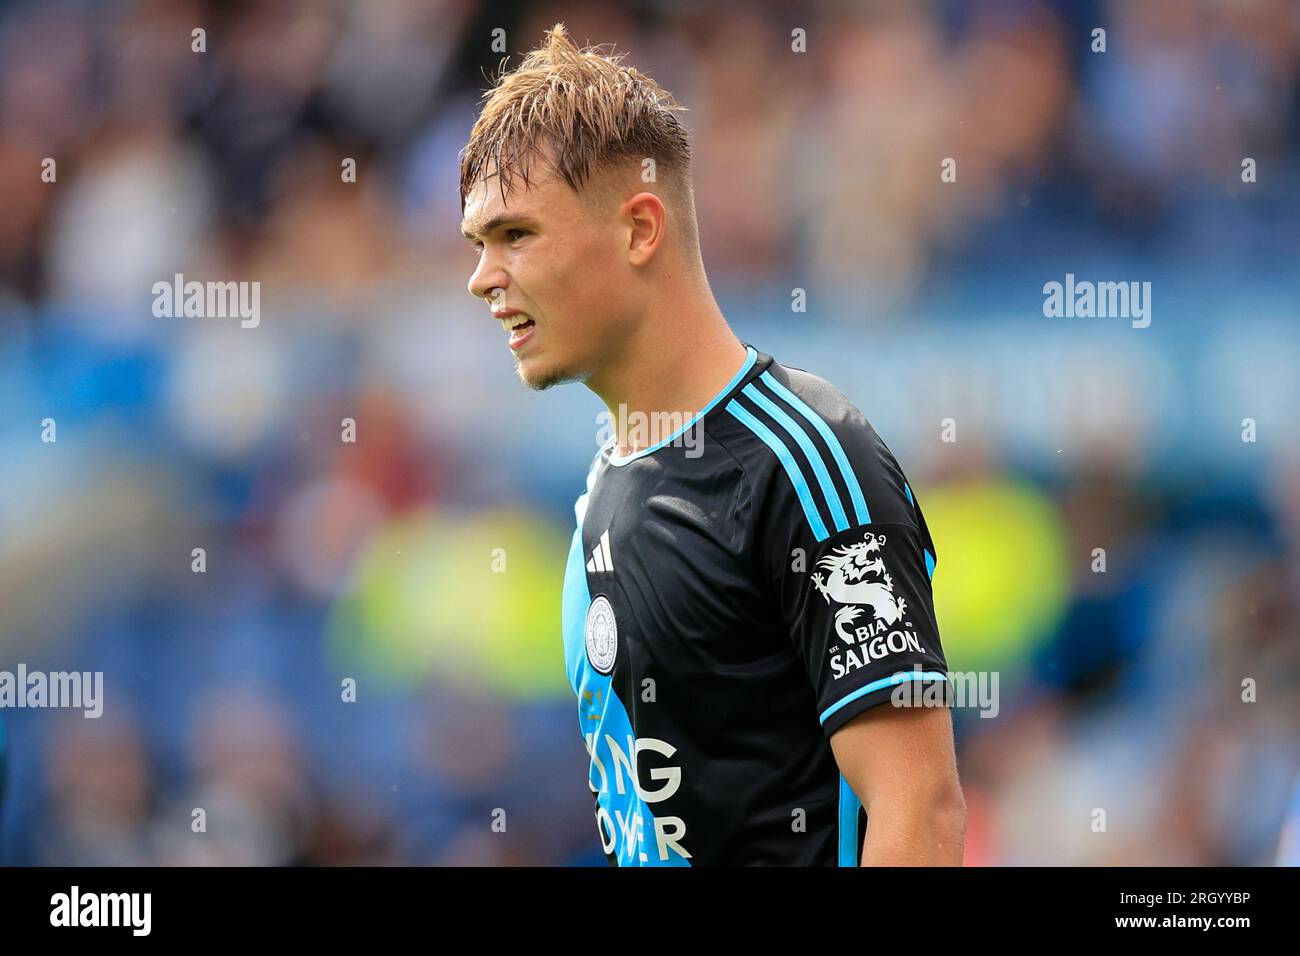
802, 441
822, 396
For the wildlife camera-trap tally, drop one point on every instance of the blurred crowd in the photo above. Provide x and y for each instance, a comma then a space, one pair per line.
1164, 691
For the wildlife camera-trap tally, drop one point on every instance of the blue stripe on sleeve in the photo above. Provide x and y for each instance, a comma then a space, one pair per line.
810, 451
791, 466
892, 679
833, 443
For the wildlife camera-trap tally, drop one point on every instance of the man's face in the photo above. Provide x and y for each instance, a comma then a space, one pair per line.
544, 256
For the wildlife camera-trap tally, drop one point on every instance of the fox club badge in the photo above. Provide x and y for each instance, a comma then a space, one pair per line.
602, 635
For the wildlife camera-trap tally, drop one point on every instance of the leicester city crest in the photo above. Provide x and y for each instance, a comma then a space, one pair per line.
602, 635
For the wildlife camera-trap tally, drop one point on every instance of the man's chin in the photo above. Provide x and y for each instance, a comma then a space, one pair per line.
539, 377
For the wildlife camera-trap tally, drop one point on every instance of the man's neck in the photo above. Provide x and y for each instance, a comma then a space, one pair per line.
664, 381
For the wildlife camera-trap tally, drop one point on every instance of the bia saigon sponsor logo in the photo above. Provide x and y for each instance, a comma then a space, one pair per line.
855, 577
602, 635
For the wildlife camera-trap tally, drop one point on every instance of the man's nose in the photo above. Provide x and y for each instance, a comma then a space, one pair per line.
486, 277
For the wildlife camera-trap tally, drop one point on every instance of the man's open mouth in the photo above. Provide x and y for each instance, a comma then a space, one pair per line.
521, 330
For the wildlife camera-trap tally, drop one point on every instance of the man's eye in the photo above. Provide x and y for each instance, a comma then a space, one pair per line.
516, 234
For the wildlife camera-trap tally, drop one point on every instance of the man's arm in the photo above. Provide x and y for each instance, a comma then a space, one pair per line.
849, 557
901, 763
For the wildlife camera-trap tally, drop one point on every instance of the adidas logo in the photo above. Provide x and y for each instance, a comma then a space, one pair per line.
600, 559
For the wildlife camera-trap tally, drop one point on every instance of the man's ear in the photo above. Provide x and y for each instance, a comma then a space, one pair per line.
647, 219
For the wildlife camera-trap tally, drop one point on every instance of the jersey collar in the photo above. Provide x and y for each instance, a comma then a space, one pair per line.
751, 356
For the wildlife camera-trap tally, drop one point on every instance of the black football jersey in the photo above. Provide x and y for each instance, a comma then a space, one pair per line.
734, 595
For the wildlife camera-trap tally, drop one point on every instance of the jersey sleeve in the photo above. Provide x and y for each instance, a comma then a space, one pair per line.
850, 561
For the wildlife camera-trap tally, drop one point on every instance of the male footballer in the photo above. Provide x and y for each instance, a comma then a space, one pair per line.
747, 614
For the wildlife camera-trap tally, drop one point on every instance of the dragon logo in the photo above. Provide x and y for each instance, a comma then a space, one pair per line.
856, 577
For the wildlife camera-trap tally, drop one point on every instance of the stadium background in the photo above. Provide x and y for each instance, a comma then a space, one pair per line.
817, 171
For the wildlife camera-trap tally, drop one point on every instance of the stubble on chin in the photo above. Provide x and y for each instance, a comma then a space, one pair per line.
541, 381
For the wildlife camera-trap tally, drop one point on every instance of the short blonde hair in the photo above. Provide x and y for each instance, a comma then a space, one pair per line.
582, 112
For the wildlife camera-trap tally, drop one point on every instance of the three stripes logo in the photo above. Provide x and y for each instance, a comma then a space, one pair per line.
808, 450
601, 560
816, 463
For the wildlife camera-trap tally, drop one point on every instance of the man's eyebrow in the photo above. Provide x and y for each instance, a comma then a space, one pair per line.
496, 222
